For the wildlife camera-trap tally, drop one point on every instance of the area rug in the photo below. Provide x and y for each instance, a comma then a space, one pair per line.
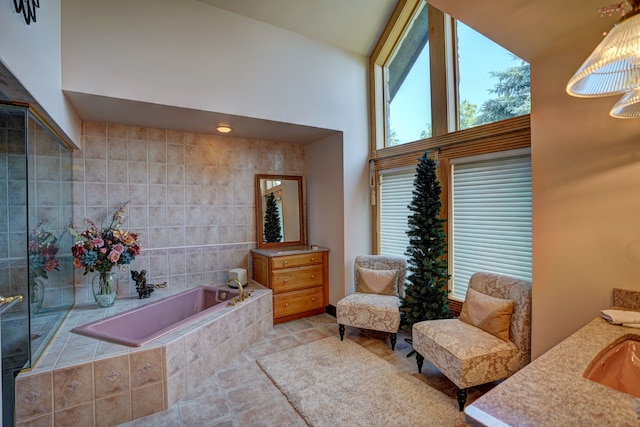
340, 383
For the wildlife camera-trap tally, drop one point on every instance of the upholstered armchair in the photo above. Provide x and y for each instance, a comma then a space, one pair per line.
379, 281
491, 339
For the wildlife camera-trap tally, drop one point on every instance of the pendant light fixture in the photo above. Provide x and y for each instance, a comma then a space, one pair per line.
628, 107
614, 66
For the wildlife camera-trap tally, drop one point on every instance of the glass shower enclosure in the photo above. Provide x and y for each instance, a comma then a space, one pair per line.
35, 255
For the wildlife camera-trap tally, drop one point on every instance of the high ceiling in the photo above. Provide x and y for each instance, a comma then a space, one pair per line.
354, 25
531, 29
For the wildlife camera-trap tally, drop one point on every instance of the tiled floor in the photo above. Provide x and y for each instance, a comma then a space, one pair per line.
242, 395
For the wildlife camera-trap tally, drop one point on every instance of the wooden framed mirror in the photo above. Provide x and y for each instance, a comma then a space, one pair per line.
280, 217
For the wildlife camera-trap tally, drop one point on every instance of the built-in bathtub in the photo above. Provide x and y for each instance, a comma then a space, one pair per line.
116, 383
138, 326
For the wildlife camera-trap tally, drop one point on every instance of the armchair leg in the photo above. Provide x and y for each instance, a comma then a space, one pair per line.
341, 329
420, 360
393, 338
462, 398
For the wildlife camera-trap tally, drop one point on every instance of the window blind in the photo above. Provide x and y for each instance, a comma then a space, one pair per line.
491, 219
396, 194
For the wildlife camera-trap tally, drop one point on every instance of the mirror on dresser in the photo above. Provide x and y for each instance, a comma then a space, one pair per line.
280, 217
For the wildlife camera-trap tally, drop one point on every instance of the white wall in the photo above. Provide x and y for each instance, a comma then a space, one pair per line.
586, 201
32, 55
189, 54
325, 207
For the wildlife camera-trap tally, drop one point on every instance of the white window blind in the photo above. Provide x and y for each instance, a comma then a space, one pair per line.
491, 219
396, 194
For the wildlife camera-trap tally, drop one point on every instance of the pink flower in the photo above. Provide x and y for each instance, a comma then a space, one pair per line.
77, 263
97, 242
103, 250
114, 256
118, 248
50, 265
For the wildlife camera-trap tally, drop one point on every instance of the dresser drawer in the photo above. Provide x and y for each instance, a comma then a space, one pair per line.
297, 301
296, 260
296, 278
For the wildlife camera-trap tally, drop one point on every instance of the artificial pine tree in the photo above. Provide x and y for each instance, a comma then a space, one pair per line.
272, 230
426, 291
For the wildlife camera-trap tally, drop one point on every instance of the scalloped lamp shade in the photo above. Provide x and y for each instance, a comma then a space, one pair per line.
614, 66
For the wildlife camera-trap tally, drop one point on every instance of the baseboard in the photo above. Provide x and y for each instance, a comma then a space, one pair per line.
330, 309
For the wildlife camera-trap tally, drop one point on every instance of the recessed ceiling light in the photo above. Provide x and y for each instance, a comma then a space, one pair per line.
224, 129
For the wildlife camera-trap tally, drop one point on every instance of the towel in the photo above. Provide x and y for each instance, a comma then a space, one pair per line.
621, 317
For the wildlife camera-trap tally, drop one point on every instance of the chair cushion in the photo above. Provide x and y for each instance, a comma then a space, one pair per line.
467, 355
490, 314
369, 311
381, 282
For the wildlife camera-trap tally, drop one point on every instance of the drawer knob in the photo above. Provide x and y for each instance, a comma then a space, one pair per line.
286, 262
313, 259
313, 276
286, 304
313, 299
286, 280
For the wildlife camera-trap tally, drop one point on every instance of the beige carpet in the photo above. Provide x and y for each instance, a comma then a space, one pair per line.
340, 383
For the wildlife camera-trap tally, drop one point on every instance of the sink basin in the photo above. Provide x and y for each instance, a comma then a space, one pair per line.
619, 367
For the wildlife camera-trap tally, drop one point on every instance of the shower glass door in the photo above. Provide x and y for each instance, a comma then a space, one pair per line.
14, 322
35, 256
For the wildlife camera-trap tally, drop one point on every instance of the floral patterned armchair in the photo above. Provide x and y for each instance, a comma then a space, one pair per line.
469, 354
379, 281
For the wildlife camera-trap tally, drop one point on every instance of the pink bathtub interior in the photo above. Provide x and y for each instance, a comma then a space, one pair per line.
140, 325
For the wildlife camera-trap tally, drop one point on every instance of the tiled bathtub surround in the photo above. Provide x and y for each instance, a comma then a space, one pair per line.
83, 381
191, 197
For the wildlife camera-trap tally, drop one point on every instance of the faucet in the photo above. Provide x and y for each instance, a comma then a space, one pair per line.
240, 287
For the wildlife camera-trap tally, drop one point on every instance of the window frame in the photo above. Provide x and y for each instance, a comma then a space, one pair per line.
514, 133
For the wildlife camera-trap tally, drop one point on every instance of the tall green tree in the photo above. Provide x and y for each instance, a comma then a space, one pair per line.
467, 114
426, 291
272, 229
513, 94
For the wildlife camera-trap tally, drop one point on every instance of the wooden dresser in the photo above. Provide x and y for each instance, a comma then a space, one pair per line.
298, 277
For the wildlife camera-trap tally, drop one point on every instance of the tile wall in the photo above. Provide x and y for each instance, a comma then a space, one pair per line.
191, 198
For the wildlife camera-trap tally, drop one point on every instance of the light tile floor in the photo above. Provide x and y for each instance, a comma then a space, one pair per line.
242, 394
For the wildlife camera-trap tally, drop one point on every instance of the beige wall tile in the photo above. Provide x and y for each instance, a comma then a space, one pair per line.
175, 357
43, 421
147, 367
176, 387
34, 395
113, 410
111, 376
81, 415
72, 386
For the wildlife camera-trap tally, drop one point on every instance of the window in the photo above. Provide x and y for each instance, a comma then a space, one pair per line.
434, 75
447, 56
490, 227
396, 194
493, 84
407, 87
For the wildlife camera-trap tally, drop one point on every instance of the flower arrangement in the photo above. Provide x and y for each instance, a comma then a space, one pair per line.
102, 249
42, 252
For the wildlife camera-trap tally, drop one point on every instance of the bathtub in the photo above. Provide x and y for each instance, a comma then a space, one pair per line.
138, 326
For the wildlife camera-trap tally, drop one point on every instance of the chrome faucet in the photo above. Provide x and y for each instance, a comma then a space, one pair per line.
240, 287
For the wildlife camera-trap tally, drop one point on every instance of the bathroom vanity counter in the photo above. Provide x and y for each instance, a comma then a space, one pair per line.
552, 391
298, 277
